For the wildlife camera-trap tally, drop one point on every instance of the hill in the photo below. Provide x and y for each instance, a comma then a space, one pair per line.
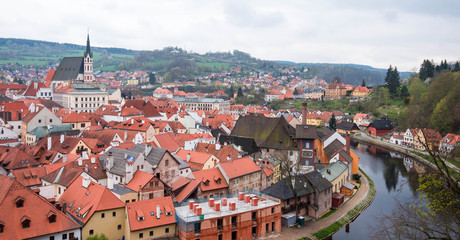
176, 64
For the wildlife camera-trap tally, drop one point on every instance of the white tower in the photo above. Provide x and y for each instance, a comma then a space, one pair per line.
88, 76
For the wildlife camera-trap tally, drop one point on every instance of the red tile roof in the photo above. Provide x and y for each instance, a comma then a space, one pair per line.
187, 191
33, 88
145, 106
29, 176
14, 158
69, 116
240, 167
88, 200
211, 179
451, 139
35, 208
167, 142
49, 77
140, 178
148, 210
195, 157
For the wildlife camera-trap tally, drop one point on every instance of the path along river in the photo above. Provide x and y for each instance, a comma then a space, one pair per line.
395, 179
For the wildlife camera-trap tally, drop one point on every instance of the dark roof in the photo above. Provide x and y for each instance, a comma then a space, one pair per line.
333, 148
348, 126
68, 69
318, 181
306, 132
346, 156
274, 133
248, 144
154, 155
305, 184
324, 133
381, 124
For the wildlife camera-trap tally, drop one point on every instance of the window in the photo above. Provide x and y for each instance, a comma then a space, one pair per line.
119, 227
64, 236
273, 210
273, 226
1, 227
19, 202
51, 237
102, 215
151, 233
150, 195
197, 228
52, 218
254, 215
166, 230
234, 221
82, 125
91, 232
39, 120
114, 214
220, 224
26, 223
141, 235
166, 162
51, 120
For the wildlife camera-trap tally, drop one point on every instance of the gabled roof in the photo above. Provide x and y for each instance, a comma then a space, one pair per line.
83, 202
188, 190
139, 180
120, 158
347, 126
211, 179
334, 147
381, 124
35, 208
451, 139
239, 167
69, 116
333, 170
29, 176
144, 106
154, 154
150, 217
14, 158
33, 88
306, 132
195, 157
68, 69
166, 141
273, 133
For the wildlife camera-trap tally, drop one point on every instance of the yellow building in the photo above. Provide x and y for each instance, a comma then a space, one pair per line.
150, 219
337, 174
314, 121
429, 137
133, 81
97, 209
360, 92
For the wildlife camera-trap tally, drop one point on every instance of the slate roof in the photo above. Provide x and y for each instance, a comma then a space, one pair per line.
282, 190
333, 148
333, 170
248, 144
68, 69
347, 126
381, 124
273, 133
324, 133
318, 181
120, 189
154, 156
120, 157
344, 155
306, 132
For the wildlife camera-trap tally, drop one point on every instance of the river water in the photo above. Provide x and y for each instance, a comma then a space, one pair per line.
395, 179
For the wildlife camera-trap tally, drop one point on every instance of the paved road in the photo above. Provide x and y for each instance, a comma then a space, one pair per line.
316, 225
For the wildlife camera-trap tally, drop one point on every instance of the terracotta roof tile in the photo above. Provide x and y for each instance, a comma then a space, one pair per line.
240, 167
149, 211
211, 179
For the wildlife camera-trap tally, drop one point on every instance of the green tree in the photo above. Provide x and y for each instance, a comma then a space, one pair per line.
457, 67
386, 96
426, 70
240, 92
392, 80
152, 78
231, 92
363, 84
332, 122
98, 237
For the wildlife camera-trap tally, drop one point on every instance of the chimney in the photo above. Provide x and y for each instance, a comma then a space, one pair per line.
158, 211
93, 160
229, 157
125, 136
80, 162
188, 157
49, 143
64, 207
85, 182
217, 207
348, 143
224, 201
240, 196
61, 139
190, 204
198, 211
218, 146
86, 167
109, 161
247, 198
132, 121
232, 206
84, 155
254, 202
211, 202
304, 113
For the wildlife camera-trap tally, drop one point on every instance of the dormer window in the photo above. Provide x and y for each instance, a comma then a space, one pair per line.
51, 217
25, 221
19, 202
2, 225
206, 183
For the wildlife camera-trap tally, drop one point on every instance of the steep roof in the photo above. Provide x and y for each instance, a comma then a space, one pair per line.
69, 116
14, 158
120, 159
35, 208
347, 126
334, 147
29, 176
83, 202
306, 132
68, 69
195, 157
267, 132
149, 211
381, 124
154, 154
140, 179
187, 190
211, 179
145, 106
239, 167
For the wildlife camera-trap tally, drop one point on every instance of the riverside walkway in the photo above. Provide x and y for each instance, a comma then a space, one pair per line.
314, 226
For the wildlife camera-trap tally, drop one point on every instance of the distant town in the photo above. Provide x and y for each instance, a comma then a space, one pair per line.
234, 154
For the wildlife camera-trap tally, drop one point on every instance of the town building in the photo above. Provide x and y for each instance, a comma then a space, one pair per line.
204, 104
449, 142
243, 174
335, 91
248, 215
379, 127
80, 97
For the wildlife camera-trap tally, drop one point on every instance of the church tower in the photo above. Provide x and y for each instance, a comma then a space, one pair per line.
88, 76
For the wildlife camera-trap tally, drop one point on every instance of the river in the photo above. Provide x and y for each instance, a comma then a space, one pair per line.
395, 179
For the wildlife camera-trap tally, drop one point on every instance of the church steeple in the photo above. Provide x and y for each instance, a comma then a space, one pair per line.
88, 48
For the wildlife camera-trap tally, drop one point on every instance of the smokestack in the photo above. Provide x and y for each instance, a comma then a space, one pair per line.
188, 157
49, 143
304, 113
348, 143
125, 136
61, 140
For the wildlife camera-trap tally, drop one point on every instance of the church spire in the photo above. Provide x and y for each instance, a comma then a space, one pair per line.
88, 48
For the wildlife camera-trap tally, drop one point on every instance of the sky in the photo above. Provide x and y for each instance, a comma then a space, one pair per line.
374, 33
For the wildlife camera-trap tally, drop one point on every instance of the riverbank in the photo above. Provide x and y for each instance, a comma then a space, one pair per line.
320, 228
403, 150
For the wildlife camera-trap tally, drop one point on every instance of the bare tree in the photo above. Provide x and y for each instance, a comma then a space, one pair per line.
288, 172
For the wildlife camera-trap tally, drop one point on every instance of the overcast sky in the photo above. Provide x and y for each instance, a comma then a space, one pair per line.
401, 33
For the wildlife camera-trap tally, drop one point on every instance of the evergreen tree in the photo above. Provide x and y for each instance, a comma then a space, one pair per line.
404, 92
295, 92
240, 92
231, 92
363, 84
332, 122
457, 67
392, 80
427, 70
152, 78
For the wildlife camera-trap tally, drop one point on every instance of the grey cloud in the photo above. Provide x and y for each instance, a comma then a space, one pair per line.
243, 15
